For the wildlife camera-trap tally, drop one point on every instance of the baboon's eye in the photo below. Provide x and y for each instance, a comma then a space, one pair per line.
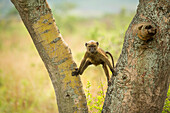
92, 46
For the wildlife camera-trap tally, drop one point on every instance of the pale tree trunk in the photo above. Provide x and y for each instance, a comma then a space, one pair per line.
55, 54
143, 68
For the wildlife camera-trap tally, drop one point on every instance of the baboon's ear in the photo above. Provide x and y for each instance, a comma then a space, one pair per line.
86, 44
140, 27
97, 43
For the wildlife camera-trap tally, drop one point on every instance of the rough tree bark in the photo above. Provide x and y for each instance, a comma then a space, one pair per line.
55, 54
143, 71
143, 67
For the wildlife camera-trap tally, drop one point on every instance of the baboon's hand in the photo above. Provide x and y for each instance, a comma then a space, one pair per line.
75, 72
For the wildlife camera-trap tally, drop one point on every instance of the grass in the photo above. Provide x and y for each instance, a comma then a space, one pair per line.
24, 81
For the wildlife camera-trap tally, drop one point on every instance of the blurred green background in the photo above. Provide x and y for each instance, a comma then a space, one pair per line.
25, 86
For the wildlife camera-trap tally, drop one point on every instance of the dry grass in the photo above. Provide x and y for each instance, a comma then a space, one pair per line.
25, 86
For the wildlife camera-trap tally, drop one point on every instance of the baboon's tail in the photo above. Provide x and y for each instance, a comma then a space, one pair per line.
111, 57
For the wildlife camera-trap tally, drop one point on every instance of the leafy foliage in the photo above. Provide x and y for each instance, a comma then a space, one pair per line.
95, 104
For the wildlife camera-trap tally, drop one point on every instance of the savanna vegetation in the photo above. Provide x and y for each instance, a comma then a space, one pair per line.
25, 86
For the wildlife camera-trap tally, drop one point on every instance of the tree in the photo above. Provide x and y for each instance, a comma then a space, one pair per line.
55, 54
143, 71
143, 66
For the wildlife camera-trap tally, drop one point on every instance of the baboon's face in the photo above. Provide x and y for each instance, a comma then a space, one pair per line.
92, 46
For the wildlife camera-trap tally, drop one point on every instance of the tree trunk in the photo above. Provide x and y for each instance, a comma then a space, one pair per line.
55, 54
143, 68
